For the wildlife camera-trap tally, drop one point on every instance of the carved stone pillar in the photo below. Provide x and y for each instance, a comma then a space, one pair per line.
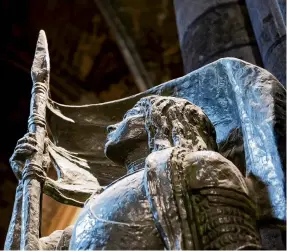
209, 30
268, 21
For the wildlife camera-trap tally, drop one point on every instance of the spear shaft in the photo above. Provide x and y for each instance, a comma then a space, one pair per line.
33, 174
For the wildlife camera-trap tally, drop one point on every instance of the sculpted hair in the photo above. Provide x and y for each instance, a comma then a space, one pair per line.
173, 121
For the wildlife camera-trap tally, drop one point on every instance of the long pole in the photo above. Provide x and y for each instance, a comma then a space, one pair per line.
33, 173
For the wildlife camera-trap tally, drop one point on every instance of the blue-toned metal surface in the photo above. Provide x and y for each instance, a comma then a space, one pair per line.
118, 218
233, 93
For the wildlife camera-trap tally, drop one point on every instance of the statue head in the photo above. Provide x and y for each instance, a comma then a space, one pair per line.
156, 123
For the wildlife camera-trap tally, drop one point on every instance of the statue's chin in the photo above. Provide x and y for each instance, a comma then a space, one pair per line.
107, 145
113, 152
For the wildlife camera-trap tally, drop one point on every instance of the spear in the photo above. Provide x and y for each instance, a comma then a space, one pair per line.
33, 175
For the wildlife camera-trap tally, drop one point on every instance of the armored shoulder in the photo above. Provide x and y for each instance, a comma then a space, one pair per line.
200, 201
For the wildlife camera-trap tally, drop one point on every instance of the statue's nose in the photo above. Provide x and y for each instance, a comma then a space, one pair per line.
111, 128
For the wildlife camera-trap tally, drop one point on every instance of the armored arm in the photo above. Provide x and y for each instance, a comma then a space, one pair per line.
200, 201
224, 215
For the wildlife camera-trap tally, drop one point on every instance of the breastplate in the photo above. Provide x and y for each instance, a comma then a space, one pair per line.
119, 218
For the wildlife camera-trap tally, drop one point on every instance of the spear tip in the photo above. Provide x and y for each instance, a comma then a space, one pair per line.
41, 64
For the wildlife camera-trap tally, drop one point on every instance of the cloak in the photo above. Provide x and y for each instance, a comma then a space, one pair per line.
244, 102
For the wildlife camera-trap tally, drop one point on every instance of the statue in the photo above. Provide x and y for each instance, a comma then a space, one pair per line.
179, 191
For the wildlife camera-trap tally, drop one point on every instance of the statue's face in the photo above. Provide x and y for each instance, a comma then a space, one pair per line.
125, 136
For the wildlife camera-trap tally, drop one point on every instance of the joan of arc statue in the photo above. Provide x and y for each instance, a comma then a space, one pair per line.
181, 190
179, 193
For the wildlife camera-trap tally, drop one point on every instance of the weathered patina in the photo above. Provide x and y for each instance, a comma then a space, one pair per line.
203, 157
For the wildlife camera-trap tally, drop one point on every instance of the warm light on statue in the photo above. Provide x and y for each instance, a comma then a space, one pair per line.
180, 190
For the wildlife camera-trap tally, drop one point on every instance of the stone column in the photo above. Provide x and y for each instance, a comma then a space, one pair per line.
282, 6
268, 21
212, 29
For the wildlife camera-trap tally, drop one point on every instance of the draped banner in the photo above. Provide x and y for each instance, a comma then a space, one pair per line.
245, 103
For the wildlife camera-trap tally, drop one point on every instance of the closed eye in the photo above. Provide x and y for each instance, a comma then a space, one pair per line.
111, 128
